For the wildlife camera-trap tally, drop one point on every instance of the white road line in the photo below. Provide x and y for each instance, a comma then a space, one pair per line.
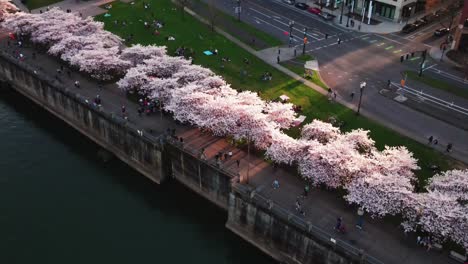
268, 23
301, 12
256, 11
281, 22
427, 68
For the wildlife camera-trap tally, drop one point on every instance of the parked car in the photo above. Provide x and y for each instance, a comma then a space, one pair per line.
314, 10
441, 32
409, 28
289, 2
302, 6
326, 16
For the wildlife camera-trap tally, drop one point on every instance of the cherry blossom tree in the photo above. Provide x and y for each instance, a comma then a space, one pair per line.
281, 114
321, 131
103, 64
380, 194
6, 8
453, 183
136, 54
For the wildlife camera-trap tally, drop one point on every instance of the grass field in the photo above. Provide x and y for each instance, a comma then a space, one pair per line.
189, 32
438, 84
34, 4
296, 65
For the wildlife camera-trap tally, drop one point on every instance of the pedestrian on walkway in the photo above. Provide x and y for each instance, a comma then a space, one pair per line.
123, 109
278, 59
238, 163
339, 41
430, 139
279, 51
352, 95
306, 190
77, 84
339, 222
389, 83
360, 214
435, 141
449, 147
295, 52
97, 100
275, 184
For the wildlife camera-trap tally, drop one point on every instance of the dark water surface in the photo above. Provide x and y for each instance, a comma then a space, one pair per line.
59, 203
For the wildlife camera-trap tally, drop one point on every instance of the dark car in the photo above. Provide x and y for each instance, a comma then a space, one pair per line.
441, 32
326, 16
314, 10
409, 28
302, 6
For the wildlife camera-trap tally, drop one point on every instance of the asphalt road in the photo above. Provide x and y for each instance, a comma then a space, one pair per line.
369, 57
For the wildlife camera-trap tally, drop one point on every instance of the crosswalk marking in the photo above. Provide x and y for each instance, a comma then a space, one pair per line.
397, 51
365, 37
383, 43
389, 48
372, 41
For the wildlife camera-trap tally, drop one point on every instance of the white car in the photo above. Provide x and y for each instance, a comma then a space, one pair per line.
289, 2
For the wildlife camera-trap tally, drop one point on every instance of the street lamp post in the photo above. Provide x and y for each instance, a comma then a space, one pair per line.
361, 90
444, 48
238, 9
305, 41
347, 21
341, 16
291, 25
248, 159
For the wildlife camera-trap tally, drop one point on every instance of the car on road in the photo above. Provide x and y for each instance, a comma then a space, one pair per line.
289, 2
302, 6
326, 16
314, 10
409, 28
441, 32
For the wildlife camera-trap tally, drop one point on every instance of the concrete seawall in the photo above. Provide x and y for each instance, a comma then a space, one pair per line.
272, 229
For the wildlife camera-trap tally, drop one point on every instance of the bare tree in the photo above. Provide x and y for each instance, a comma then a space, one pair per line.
182, 4
452, 13
212, 14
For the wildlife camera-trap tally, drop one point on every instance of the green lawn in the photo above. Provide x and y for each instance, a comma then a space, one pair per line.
243, 31
296, 65
34, 4
438, 84
189, 32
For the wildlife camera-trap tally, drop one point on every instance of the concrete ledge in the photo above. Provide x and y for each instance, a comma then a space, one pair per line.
457, 256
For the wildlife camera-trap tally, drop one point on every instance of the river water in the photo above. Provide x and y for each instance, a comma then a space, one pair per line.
60, 203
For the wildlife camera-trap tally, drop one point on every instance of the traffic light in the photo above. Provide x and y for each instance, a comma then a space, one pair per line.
305, 40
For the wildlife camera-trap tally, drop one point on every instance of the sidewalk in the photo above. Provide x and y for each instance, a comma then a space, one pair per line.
436, 53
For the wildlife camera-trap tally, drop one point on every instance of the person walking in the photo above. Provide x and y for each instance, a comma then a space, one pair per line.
360, 214
339, 222
449, 147
77, 84
352, 95
430, 139
238, 163
306, 190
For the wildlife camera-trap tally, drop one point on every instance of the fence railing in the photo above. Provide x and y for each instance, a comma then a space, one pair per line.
316, 232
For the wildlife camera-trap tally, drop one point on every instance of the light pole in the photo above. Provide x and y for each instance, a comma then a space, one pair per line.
347, 21
248, 159
305, 41
341, 16
444, 48
238, 9
361, 90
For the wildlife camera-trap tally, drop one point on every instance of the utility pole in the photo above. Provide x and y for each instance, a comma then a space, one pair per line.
423, 59
349, 14
305, 41
341, 16
238, 9
361, 90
